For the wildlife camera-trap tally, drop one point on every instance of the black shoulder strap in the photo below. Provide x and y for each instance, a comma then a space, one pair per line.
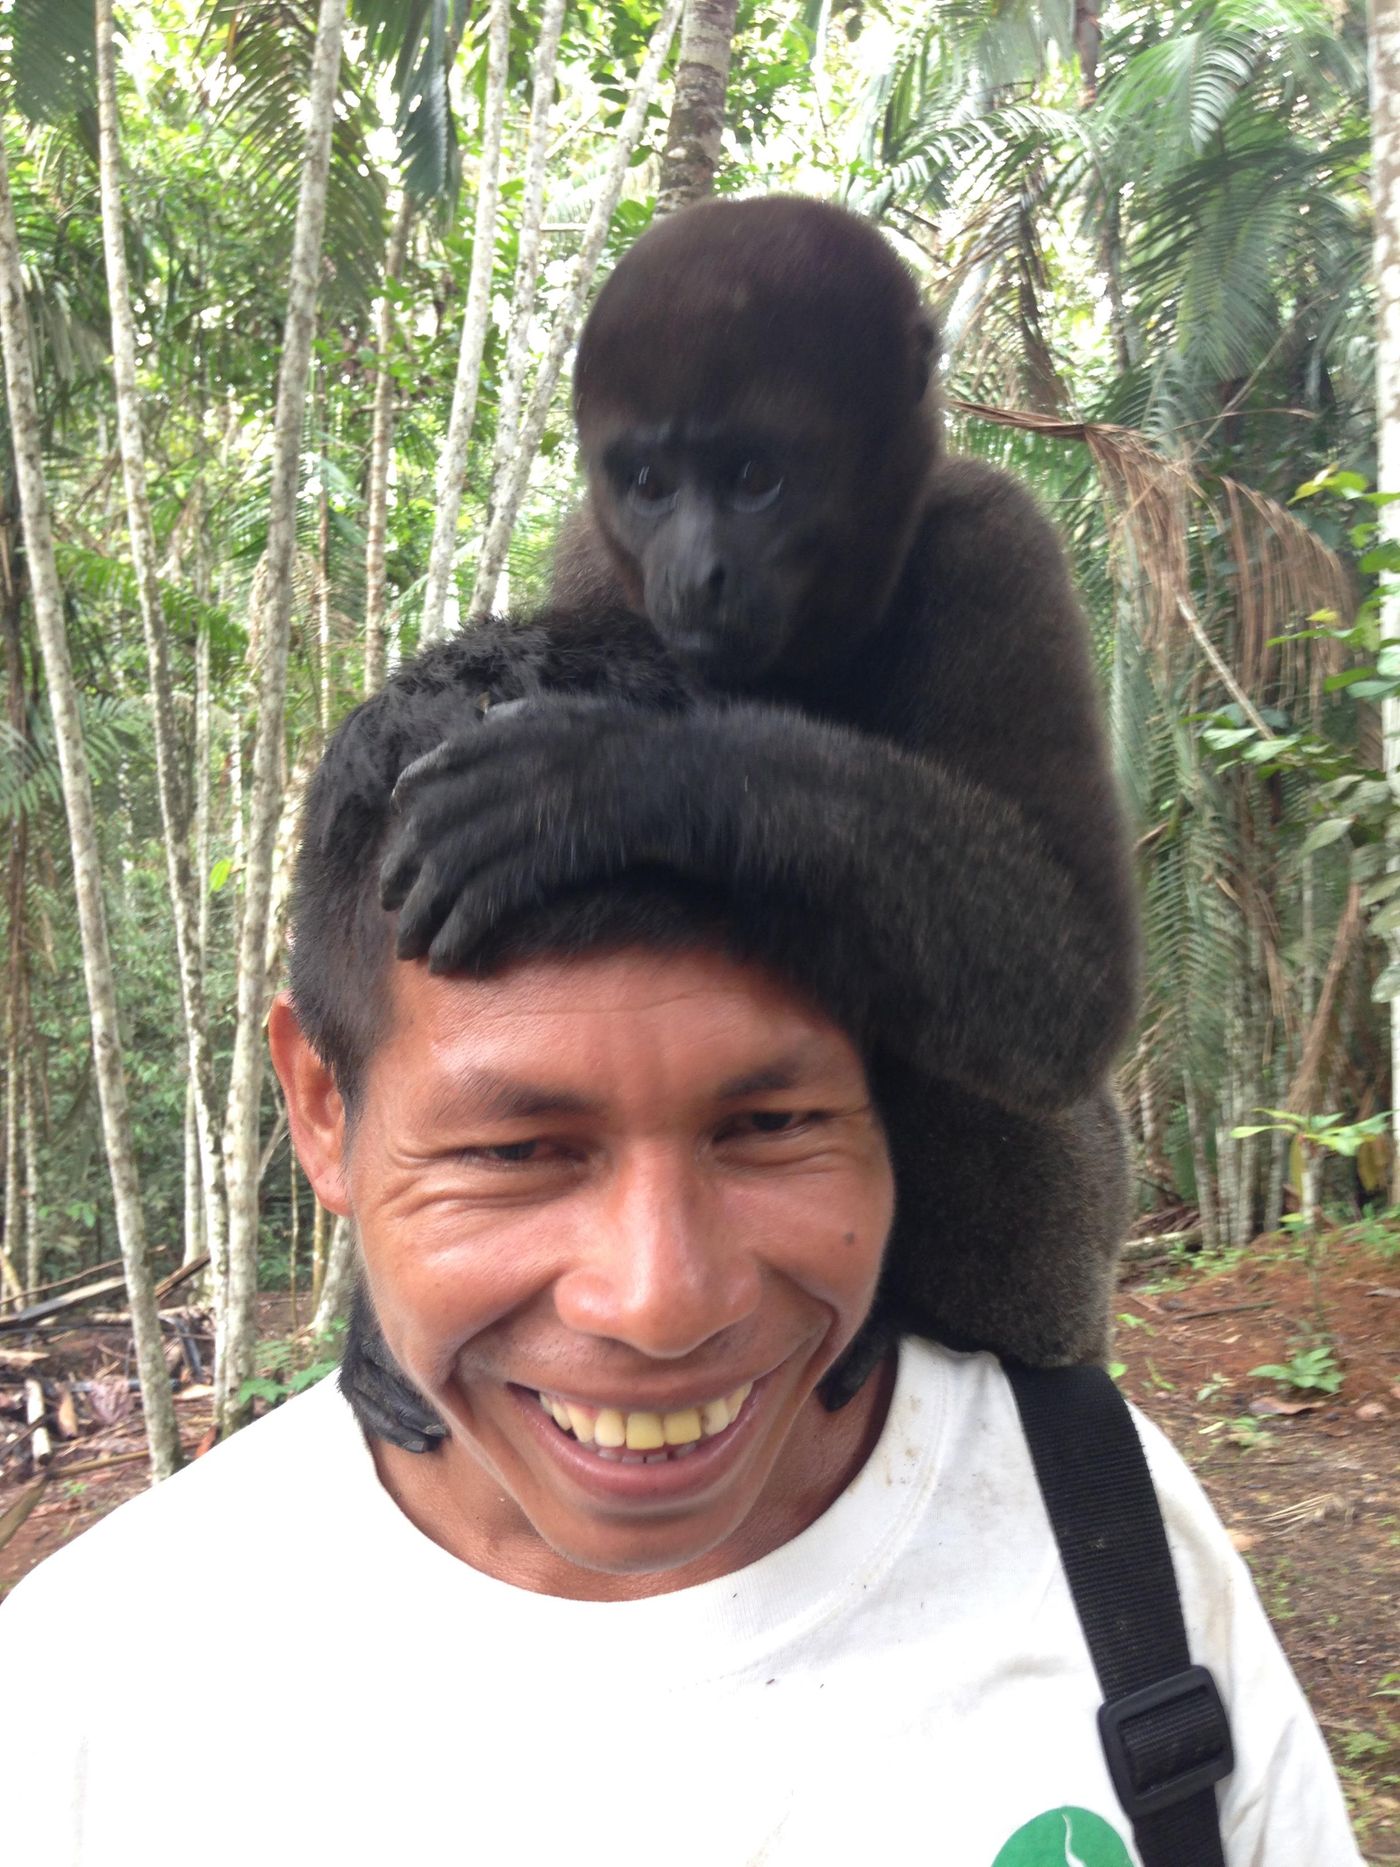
1165, 1733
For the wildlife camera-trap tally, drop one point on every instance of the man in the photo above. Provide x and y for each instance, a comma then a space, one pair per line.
621, 1203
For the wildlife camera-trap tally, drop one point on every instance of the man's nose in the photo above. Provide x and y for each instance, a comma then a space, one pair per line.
658, 1267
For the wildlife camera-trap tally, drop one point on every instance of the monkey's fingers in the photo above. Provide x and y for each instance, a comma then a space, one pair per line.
453, 759
495, 896
423, 892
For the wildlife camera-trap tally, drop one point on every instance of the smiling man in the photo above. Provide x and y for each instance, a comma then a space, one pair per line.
618, 1216
621, 1200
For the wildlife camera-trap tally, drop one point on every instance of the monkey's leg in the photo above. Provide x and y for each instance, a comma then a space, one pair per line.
1008, 1226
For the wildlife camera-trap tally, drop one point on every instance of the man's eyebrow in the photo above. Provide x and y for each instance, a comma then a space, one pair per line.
786, 1072
490, 1096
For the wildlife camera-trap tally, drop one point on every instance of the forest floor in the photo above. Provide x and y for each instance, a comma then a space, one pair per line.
1306, 1482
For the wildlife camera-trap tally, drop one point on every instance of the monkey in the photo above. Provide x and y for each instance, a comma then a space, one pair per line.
896, 764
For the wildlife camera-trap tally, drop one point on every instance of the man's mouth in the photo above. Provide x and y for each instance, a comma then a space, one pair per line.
642, 1438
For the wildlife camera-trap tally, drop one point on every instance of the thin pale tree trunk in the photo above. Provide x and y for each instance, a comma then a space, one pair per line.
245, 1084
380, 449
319, 1223
497, 540
207, 1222
323, 584
695, 134
452, 469
527, 269
16, 995
33, 1243
334, 1299
14, 1170
1205, 1185
171, 782
293, 1233
1385, 195
194, 1184
163, 1437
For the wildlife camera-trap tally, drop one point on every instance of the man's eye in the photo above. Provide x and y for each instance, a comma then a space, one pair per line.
769, 1122
502, 1154
648, 486
756, 485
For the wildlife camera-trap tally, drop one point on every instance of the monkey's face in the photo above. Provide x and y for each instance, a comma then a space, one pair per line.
721, 531
755, 410
619, 1216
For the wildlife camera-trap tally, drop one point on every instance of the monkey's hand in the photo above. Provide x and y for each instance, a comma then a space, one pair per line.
537, 797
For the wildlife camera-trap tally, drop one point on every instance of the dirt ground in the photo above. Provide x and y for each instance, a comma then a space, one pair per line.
1307, 1483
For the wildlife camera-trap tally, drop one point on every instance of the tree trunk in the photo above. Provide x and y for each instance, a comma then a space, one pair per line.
323, 581
194, 1184
1087, 38
16, 994
82, 830
452, 470
1200, 1161
318, 1252
695, 134
334, 1299
380, 449
170, 778
33, 1243
493, 550
13, 1235
1385, 195
293, 1233
207, 1227
241, 1128
527, 275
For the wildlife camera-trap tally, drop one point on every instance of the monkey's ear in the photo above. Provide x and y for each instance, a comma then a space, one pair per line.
924, 348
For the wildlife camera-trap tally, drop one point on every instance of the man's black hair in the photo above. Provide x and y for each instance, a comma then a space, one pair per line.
342, 940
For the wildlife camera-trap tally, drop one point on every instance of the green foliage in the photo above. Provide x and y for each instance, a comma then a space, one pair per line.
290, 1366
1311, 1369
1329, 1132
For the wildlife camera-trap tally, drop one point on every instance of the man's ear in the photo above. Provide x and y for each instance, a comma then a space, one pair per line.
315, 1112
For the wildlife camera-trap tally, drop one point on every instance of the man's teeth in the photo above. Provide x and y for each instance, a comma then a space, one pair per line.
650, 1438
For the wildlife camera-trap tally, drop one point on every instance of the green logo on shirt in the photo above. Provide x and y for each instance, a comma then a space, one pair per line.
1065, 1838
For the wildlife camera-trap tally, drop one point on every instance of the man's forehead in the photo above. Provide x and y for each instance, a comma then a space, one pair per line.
528, 1040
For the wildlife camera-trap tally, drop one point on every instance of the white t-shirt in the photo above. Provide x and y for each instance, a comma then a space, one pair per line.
265, 1659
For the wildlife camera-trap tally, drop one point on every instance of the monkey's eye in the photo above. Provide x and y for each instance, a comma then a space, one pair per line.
650, 488
755, 486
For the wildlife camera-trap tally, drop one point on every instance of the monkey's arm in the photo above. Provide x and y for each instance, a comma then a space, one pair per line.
924, 908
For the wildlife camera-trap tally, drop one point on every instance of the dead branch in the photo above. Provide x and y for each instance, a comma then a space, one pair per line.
22, 1506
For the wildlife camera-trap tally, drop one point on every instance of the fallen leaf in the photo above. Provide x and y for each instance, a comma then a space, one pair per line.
1242, 1540
1270, 1405
1371, 1410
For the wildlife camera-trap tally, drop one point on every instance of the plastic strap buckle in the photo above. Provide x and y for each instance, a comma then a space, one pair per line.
1166, 1742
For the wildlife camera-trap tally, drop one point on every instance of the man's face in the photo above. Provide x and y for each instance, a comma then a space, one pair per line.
645, 1196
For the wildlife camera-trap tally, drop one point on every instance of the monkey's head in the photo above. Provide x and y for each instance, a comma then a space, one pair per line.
754, 404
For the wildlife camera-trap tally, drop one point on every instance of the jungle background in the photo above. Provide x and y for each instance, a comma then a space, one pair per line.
288, 292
